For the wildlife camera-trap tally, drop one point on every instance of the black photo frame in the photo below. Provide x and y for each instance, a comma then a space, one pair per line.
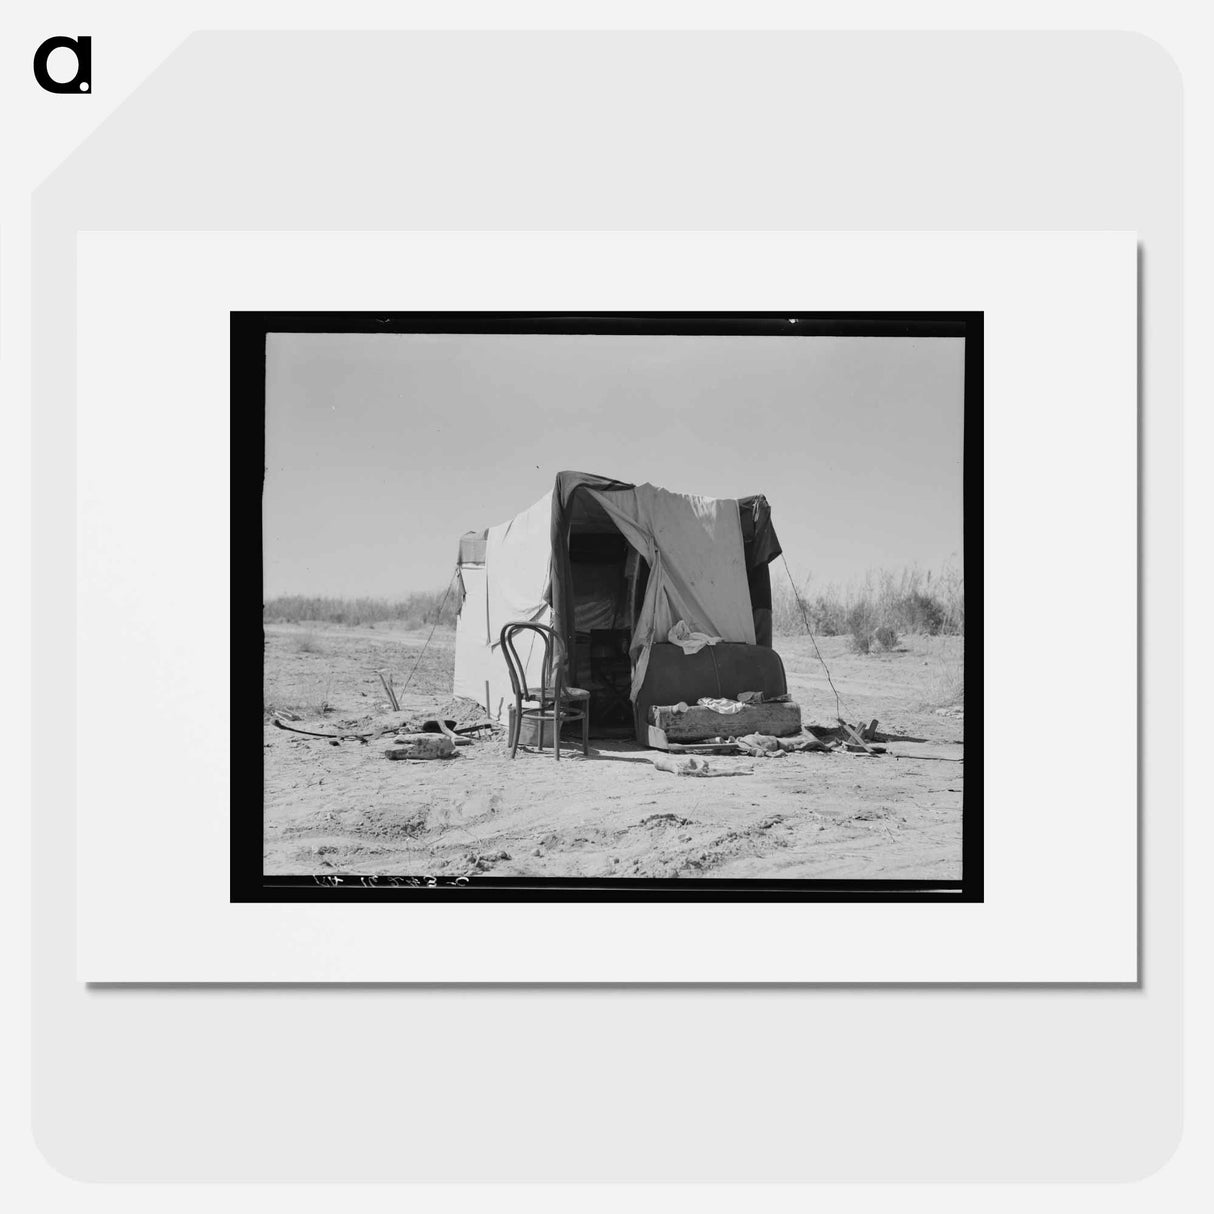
247, 361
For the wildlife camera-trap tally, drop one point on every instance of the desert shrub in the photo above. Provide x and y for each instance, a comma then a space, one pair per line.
949, 592
828, 616
919, 612
419, 610
905, 603
825, 614
862, 624
886, 638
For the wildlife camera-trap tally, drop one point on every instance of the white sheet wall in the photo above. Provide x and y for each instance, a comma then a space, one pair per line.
511, 585
477, 656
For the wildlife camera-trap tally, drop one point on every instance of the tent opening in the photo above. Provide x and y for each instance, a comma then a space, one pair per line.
577, 560
608, 587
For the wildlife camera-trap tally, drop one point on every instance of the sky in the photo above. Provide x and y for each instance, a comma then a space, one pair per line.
382, 449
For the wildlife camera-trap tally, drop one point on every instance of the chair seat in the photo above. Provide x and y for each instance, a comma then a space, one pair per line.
567, 693
533, 708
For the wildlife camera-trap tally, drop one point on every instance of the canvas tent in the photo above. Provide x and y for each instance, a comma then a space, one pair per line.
613, 567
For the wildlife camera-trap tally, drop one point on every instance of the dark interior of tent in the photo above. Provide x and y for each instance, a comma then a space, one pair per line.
608, 581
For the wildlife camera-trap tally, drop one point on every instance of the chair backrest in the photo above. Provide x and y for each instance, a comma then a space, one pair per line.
550, 671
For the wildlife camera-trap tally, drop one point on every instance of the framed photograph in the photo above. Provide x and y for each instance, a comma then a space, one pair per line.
610, 605
748, 542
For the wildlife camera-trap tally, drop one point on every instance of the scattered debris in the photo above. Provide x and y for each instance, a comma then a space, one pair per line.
482, 863
856, 741
826, 733
466, 713
720, 704
312, 733
712, 746
390, 689
771, 747
421, 746
446, 728
694, 765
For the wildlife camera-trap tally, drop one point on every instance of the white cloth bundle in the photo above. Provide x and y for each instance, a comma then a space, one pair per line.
688, 641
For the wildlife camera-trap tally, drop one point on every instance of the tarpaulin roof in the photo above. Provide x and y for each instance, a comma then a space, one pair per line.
759, 542
707, 560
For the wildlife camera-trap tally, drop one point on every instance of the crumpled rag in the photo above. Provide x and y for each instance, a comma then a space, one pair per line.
688, 641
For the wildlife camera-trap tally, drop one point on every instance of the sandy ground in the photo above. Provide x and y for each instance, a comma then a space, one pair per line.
347, 808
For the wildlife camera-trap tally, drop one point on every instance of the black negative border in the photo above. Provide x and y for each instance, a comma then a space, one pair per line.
247, 375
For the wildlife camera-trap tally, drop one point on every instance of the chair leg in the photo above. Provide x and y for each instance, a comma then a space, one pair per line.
586, 728
518, 725
556, 731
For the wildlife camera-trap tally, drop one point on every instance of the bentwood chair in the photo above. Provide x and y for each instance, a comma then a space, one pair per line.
551, 700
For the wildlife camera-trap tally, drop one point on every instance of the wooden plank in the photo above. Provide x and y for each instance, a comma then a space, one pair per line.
659, 741
855, 737
697, 724
657, 738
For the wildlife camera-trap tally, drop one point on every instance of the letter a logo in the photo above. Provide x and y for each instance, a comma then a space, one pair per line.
82, 48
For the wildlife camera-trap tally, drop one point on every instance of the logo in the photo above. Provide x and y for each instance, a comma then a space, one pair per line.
82, 48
